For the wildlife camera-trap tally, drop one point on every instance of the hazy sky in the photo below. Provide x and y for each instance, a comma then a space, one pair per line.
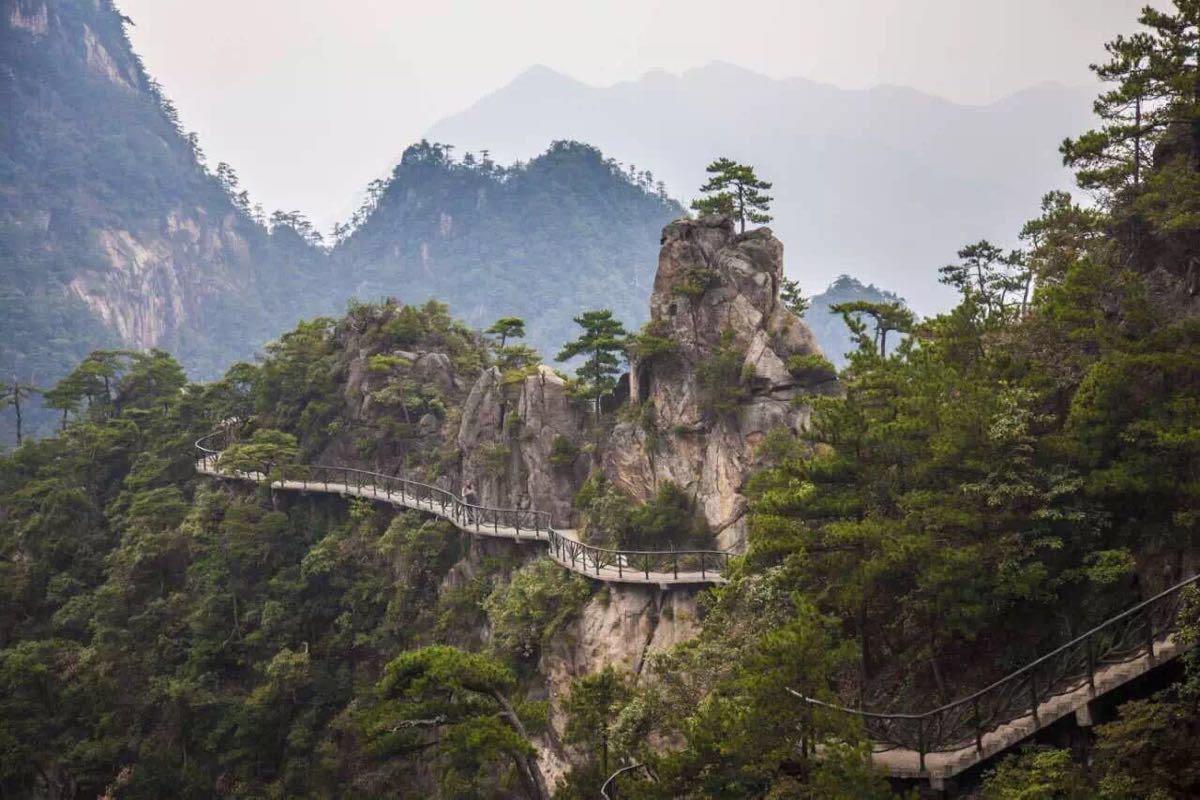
311, 99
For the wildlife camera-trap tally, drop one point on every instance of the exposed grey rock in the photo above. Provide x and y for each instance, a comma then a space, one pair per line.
711, 457
435, 368
507, 439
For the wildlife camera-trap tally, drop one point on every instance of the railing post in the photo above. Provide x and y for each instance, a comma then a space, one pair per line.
978, 724
646, 565
1091, 665
921, 743
1149, 635
702, 573
1033, 698
675, 563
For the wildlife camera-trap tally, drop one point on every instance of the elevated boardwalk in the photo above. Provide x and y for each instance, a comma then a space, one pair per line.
942, 743
664, 568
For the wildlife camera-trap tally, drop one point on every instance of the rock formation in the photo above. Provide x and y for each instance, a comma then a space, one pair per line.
521, 443
726, 381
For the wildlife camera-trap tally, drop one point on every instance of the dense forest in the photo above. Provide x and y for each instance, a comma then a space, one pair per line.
987, 484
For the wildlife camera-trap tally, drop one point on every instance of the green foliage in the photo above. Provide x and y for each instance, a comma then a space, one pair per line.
507, 328
792, 297
652, 344
1037, 774
669, 519
532, 607
829, 327
563, 452
262, 453
495, 458
695, 280
811, 368
602, 343
736, 191
723, 388
451, 707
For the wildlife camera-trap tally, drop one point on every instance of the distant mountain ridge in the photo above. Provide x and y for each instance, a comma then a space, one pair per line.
544, 240
883, 183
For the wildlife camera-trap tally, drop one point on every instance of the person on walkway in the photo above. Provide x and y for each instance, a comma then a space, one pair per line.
469, 497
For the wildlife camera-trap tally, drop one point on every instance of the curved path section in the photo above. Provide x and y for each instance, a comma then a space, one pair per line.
943, 742
661, 567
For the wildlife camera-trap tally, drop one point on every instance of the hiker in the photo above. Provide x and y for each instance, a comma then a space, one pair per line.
470, 499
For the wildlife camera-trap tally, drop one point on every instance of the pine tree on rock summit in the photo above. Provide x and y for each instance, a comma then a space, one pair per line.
735, 190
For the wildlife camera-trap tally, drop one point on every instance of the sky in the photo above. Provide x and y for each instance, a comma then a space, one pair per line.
310, 100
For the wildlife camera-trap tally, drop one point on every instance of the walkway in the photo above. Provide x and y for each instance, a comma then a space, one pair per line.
939, 744
663, 568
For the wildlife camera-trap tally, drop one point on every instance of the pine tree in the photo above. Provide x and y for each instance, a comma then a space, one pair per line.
735, 190
14, 394
507, 328
603, 342
1156, 77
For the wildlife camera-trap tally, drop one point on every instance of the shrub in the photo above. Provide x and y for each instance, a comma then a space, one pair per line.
652, 344
721, 379
668, 520
695, 280
382, 364
528, 610
494, 458
563, 452
814, 368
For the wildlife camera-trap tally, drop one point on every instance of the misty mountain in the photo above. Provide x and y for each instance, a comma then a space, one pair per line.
544, 240
113, 232
884, 184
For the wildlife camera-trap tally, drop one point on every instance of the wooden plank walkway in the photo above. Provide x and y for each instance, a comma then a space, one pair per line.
625, 571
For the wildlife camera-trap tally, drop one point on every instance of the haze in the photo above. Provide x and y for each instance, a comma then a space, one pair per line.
311, 99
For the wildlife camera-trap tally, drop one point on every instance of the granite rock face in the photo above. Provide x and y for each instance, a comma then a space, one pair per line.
716, 292
521, 443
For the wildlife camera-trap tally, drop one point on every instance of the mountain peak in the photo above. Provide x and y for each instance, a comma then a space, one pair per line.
540, 75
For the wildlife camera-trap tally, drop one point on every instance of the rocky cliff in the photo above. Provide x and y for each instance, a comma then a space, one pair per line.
521, 442
735, 371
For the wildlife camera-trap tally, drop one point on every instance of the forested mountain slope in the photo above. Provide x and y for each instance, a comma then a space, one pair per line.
908, 529
112, 230
543, 240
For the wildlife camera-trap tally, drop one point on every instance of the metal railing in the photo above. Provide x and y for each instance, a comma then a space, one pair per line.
581, 557
1123, 638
